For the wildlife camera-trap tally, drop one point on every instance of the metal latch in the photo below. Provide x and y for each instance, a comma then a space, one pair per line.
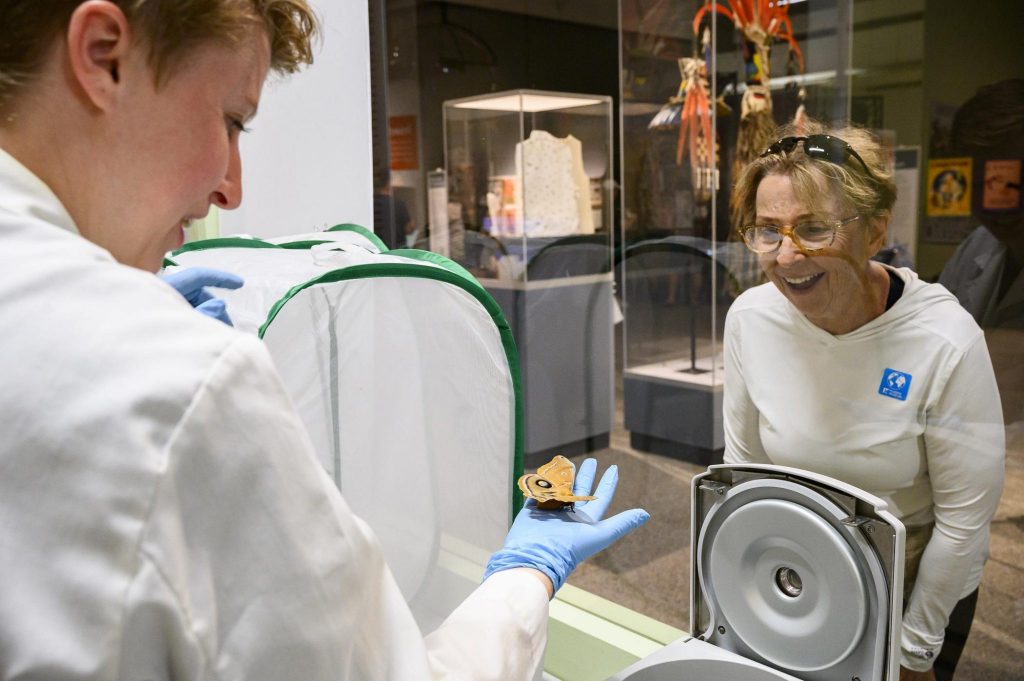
866, 524
719, 488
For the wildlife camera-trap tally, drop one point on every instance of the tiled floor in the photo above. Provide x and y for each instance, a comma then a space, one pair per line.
649, 570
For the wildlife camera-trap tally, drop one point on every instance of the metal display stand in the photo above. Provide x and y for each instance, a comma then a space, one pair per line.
673, 398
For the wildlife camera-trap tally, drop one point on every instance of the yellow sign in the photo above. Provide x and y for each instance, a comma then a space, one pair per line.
949, 187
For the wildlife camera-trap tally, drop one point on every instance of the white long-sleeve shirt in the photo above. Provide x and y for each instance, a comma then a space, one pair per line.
162, 512
905, 407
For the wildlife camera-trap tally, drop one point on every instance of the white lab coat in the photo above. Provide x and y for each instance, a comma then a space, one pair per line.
162, 513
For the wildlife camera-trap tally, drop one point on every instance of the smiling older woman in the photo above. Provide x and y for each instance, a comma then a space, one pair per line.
859, 371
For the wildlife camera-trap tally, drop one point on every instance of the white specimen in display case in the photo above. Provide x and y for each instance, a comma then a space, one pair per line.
548, 198
586, 224
552, 191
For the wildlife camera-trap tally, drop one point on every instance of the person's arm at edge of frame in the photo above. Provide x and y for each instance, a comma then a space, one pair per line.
965, 446
326, 599
546, 546
739, 414
544, 580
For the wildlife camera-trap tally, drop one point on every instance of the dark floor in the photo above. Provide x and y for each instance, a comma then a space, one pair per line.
648, 571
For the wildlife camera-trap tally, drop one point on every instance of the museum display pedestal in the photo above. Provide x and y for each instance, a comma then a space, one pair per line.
675, 293
563, 329
670, 410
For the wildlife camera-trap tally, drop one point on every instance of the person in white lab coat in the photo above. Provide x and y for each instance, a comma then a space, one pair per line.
162, 513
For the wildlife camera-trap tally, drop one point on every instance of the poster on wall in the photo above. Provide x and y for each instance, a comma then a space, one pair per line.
949, 187
904, 224
948, 200
1001, 190
402, 142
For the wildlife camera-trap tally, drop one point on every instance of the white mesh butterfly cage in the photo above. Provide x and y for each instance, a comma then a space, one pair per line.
406, 375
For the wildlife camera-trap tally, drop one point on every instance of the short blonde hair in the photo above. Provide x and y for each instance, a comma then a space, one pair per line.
817, 183
170, 28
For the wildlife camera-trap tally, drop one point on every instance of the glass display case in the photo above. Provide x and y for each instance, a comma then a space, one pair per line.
530, 215
700, 98
897, 69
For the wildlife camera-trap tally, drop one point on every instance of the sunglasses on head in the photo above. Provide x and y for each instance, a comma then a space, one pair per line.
823, 147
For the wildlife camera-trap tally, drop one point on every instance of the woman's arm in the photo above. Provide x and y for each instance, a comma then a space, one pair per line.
965, 448
739, 414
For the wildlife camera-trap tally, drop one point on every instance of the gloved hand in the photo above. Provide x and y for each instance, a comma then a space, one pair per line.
191, 283
555, 542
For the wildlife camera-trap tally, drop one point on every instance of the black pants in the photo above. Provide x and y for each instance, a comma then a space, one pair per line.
956, 637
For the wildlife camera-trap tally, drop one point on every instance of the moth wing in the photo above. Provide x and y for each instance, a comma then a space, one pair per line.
558, 471
537, 487
552, 482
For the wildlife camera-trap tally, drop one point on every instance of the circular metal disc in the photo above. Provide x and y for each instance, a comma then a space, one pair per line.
742, 559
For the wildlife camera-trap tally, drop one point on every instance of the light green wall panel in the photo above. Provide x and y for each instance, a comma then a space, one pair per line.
590, 638
207, 228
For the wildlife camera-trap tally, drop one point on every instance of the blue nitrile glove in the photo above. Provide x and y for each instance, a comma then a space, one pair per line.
191, 283
555, 542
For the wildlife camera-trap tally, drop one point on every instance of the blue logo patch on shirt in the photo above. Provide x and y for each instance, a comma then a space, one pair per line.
895, 384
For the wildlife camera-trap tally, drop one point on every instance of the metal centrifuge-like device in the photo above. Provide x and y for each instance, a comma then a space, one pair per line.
794, 577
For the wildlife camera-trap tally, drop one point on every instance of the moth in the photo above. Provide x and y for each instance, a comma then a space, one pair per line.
551, 485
